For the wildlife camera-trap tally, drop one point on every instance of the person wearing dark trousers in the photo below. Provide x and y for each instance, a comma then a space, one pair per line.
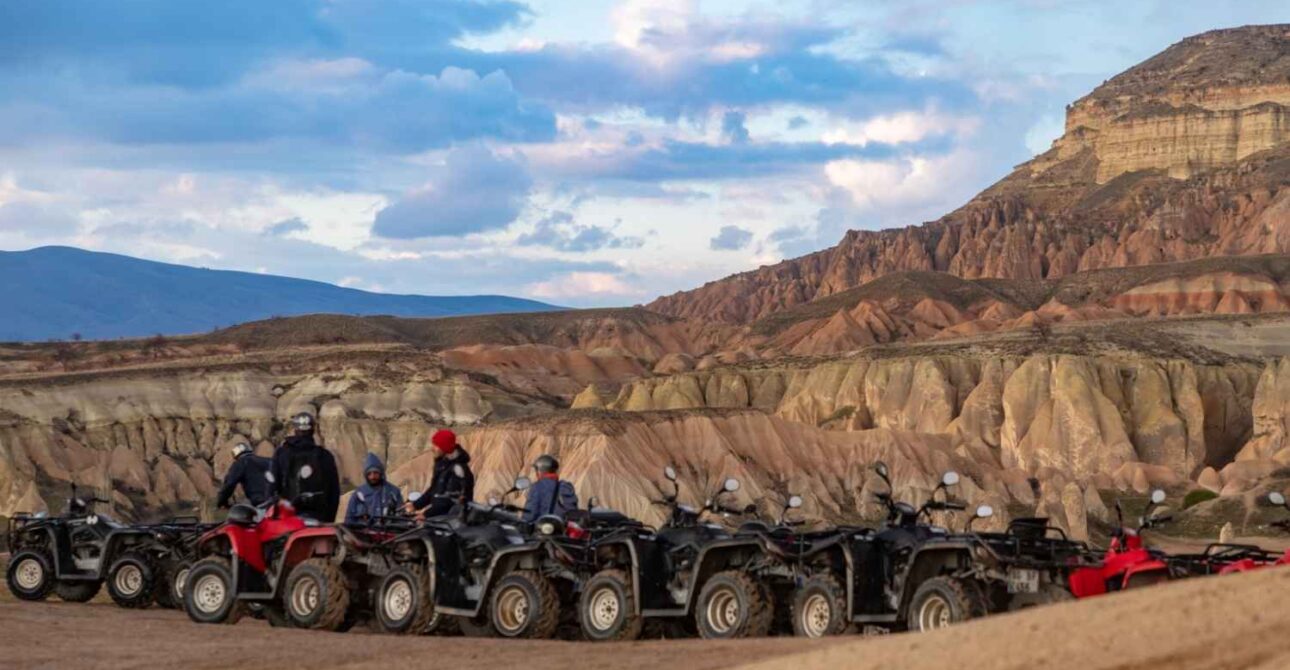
305, 473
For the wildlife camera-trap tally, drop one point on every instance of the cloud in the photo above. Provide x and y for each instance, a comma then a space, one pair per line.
36, 219
474, 191
732, 127
286, 227
583, 285
559, 231
730, 238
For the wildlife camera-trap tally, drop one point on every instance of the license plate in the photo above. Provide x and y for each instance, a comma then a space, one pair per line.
1023, 581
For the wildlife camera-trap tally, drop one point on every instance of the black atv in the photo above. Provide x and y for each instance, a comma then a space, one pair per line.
536, 596
687, 568
72, 554
913, 574
443, 570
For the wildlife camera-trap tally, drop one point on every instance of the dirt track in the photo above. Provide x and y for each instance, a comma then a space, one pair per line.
1225, 623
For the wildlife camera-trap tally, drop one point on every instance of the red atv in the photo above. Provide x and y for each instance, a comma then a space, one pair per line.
296, 571
1127, 563
1226, 559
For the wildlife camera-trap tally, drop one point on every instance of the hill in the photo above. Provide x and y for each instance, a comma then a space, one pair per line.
53, 292
1186, 156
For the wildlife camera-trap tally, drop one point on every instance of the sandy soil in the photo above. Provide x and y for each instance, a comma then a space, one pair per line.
1217, 623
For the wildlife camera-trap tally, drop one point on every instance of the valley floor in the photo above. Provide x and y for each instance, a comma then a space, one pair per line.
1226, 623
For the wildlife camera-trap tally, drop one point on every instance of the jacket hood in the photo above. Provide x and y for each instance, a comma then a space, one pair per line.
373, 462
462, 457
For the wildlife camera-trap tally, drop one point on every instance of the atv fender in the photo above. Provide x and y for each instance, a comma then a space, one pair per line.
503, 561
1152, 567
310, 542
626, 547
714, 558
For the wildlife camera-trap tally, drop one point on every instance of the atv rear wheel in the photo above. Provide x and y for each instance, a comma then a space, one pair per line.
132, 580
820, 608
607, 608
404, 603
31, 574
315, 595
525, 605
942, 601
77, 591
208, 593
733, 605
170, 588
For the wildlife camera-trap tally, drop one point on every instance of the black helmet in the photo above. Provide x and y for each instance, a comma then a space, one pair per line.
546, 464
304, 422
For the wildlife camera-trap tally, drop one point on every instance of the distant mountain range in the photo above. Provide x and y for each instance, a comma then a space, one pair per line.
56, 292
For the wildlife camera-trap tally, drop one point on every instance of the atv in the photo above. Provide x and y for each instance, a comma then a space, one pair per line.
686, 568
448, 566
1225, 558
74, 553
1127, 562
288, 569
912, 574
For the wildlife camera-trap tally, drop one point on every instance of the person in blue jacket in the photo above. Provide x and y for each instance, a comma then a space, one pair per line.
376, 497
248, 471
549, 495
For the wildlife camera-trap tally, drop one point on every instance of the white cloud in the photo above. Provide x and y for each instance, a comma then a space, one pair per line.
582, 285
900, 128
900, 182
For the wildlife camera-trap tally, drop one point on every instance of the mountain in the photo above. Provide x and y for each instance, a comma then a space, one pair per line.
1184, 156
54, 292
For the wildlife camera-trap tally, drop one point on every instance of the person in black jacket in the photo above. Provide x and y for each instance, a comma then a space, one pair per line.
305, 473
449, 486
250, 472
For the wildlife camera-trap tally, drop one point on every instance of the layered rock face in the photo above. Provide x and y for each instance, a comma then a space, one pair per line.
1185, 156
161, 442
1108, 421
1228, 97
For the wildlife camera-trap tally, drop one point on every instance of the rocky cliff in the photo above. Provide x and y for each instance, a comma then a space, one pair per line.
1185, 156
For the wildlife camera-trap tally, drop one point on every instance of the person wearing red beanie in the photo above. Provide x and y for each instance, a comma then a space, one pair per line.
452, 483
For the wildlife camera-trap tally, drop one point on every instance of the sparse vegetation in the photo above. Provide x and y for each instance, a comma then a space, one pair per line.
1197, 497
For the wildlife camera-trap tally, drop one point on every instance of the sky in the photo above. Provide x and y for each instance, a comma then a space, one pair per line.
581, 152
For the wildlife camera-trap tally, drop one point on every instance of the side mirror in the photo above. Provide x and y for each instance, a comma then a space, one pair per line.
731, 485
984, 512
493, 501
1158, 496
881, 469
1277, 498
414, 496
794, 502
522, 483
459, 471
593, 502
950, 478
670, 473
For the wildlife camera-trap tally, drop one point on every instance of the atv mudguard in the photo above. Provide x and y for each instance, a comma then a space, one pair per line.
929, 560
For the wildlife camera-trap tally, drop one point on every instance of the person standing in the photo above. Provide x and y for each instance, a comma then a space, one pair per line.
305, 473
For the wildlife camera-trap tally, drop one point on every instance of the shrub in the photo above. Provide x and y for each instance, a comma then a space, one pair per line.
1197, 497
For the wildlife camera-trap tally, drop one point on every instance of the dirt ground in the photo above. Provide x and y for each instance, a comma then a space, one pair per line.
1217, 623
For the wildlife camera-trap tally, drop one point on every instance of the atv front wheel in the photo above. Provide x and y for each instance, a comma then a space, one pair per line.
607, 608
132, 580
77, 591
404, 603
733, 605
208, 593
942, 601
525, 605
820, 608
315, 595
30, 575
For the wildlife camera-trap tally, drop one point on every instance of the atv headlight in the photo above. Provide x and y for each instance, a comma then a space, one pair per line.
549, 526
546, 528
